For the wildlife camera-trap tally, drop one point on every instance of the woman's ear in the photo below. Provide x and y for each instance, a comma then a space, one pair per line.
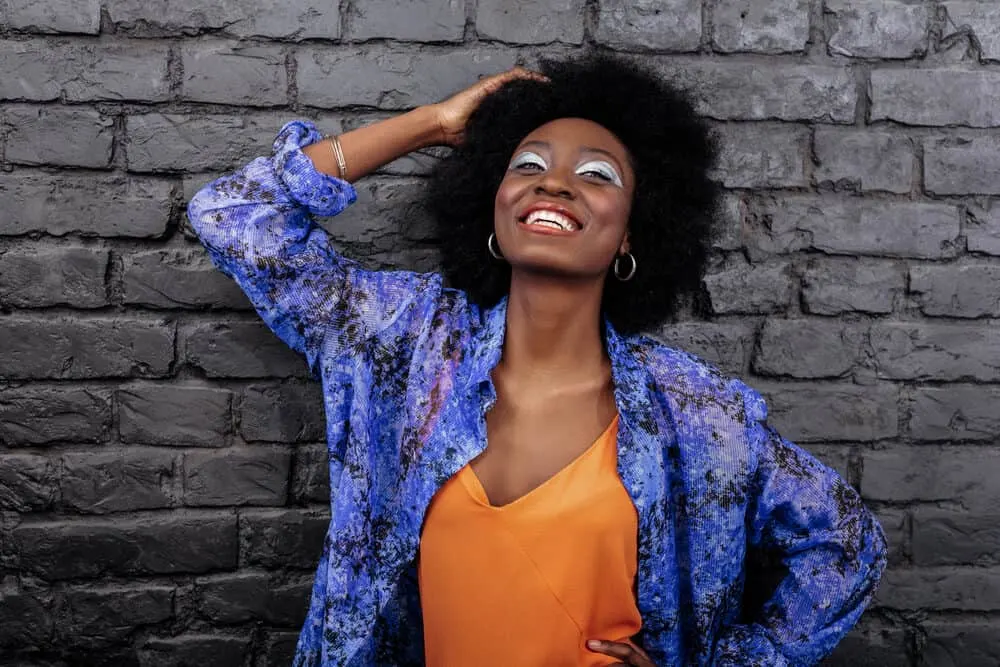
625, 247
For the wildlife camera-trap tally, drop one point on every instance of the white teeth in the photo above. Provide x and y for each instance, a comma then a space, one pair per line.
550, 219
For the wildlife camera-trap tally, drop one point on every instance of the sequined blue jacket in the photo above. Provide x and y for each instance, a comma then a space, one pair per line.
405, 367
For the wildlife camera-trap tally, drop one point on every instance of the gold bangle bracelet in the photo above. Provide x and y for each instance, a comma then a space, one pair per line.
338, 153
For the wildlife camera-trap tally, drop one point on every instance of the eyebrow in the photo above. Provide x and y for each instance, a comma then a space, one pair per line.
588, 149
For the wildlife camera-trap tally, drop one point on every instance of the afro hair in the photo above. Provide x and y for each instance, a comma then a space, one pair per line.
670, 148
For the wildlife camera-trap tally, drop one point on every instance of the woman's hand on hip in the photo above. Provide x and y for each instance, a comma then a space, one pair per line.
627, 652
453, 113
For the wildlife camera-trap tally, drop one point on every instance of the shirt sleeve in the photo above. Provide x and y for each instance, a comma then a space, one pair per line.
257, 225
832, 545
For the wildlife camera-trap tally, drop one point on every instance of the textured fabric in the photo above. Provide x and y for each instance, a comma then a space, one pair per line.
405, 366
528, 583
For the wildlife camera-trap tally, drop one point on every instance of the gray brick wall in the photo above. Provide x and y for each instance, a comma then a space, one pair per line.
162, 470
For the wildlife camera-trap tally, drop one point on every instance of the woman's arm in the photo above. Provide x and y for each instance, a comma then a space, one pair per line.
368, 148
832, 545
257, 224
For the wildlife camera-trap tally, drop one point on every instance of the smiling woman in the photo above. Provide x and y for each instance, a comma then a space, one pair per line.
518, 476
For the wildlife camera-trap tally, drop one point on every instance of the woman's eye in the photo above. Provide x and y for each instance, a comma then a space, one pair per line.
601, 174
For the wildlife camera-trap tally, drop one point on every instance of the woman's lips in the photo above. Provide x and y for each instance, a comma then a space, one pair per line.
545, 230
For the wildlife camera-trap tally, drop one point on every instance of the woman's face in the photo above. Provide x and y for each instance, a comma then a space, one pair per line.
564, 203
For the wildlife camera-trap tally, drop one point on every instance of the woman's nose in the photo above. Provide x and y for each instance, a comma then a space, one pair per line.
555, 182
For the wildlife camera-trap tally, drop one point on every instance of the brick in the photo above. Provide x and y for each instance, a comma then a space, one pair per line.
311, 475
389, 214
738, 287
233, 73
813, 348
956, 165
242, 476
117, 481
250, 596
834, 285
277, 539
753, 156
173, 543
955, 412
768, 26
982, 229
955, 537
179, 278
24, 618
732, 212
283, 413
983, 18
935, 97
932, 474
965, 589
863, 160
847, 412
46, 70
27, 483
191, 650
531, 21
240, 349
877, 28
421, 21
176, 142
911, 351
174, 415
88, 205
278, 649
65, 348
896, 524
296, 19
957, 291
33, 276
854, 226
767, 92
112, 613
61, 136
376, 77
726, 345
36, 415
662, 25
83, 17
969, 643
871, 644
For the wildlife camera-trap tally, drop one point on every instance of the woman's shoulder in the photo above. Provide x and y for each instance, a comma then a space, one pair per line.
680, 371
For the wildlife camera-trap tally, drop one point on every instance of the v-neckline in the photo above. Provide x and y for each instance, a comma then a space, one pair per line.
478, 491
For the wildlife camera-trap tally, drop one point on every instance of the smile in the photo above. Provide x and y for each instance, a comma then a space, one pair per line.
547, 220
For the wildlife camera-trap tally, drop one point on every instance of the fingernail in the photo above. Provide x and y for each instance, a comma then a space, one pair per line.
593, 643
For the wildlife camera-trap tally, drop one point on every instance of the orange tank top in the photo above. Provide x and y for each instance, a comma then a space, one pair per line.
529, 582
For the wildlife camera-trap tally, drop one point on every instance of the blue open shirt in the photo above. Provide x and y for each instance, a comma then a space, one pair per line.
405, 365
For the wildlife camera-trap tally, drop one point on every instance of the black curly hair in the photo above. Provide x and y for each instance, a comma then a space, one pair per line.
671, 151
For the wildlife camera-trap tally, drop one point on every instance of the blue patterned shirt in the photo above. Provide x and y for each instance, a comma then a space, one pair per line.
405, 367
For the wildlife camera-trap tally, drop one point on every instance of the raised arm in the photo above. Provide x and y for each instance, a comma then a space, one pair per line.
832, 545
257, 224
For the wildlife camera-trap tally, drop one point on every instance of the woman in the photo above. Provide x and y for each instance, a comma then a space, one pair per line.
609, 518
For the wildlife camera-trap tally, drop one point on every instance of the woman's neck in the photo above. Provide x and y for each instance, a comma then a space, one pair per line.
553, 328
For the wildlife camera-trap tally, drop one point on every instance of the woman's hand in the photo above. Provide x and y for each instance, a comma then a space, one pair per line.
628, 653
453, 113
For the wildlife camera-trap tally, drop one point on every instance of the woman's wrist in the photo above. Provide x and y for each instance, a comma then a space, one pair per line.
367, 148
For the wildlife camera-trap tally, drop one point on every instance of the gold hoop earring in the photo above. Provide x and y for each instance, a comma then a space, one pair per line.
631, 273
489, 245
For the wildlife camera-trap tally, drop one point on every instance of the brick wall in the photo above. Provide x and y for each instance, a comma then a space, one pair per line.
162, 473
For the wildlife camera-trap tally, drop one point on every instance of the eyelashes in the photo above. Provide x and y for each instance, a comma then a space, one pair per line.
604, 171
